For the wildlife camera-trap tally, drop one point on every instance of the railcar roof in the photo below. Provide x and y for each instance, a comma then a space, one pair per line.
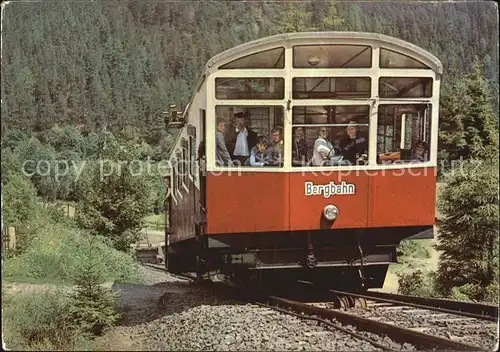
306, 37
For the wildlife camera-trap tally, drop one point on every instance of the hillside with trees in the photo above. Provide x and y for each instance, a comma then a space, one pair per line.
118, 64
89, 81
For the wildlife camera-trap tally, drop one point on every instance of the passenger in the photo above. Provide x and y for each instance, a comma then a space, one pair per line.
222, 156
275, 150
323, 148
258, 156
245, 139
299, 151
420, 152
353, 147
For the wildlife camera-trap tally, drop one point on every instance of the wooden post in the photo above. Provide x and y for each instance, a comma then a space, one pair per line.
12, 237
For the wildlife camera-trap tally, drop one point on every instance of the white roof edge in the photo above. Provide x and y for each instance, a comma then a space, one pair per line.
406, 47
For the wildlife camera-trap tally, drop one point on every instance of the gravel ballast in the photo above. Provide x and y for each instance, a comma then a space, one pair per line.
173, 314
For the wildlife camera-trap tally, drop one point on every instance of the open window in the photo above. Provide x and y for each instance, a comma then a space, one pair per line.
174, 182
185, 161
330, 135
192, 149
178, 166
403, 133
249, 136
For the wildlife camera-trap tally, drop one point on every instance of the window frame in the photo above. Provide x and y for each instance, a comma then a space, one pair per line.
289, 72
426, 106
331, 126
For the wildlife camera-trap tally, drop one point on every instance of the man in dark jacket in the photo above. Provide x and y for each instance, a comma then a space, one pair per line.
354, 148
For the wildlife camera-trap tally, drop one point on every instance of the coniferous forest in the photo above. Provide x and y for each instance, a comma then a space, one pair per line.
86, 81
120, 63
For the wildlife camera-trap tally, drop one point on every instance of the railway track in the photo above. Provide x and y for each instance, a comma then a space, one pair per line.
472, 326
339, 320
421, 322
466, 309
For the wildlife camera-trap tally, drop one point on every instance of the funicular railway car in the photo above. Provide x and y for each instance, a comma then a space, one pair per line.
306, 155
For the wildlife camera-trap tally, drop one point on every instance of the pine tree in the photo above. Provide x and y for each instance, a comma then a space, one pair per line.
480, 130
297, 18
468, 237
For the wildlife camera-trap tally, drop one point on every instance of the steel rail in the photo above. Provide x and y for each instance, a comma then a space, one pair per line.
330, 324
466, 309
396, 333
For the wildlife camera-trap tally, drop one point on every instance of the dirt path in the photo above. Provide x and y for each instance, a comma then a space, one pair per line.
140, 304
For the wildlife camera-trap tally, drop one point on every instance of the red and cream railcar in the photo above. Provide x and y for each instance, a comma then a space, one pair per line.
338, 222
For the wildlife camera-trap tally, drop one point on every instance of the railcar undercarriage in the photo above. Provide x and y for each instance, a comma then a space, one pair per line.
347, 259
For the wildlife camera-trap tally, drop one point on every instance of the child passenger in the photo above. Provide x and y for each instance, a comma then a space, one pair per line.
258, 156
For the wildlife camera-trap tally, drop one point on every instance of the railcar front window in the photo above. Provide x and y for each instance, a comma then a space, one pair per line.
403, 133
331, 87
330, 135
405, 87
332, 56
273, 58
249, 88
249, 136
393, 59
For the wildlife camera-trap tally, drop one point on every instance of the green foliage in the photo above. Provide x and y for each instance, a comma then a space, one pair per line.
19, 201
417, 283
115, 193
467, 121
54, 255
38, 320
476, 292
468, 236
295, 19
410, 251
115, 64
93, 307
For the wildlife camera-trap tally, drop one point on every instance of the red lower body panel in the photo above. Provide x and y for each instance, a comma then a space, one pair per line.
266, 202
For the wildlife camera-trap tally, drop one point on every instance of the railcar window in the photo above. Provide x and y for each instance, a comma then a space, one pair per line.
332, 56
405, 87
249, 136
273, 58
331, 87
249, 88
185, 162
393, 59
192, 149
180, 173
403, 133
330, 135
174, 178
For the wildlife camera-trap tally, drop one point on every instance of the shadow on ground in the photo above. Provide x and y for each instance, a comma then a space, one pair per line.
144, 303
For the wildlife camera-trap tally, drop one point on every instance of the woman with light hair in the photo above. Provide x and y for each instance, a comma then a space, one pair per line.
323, 148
